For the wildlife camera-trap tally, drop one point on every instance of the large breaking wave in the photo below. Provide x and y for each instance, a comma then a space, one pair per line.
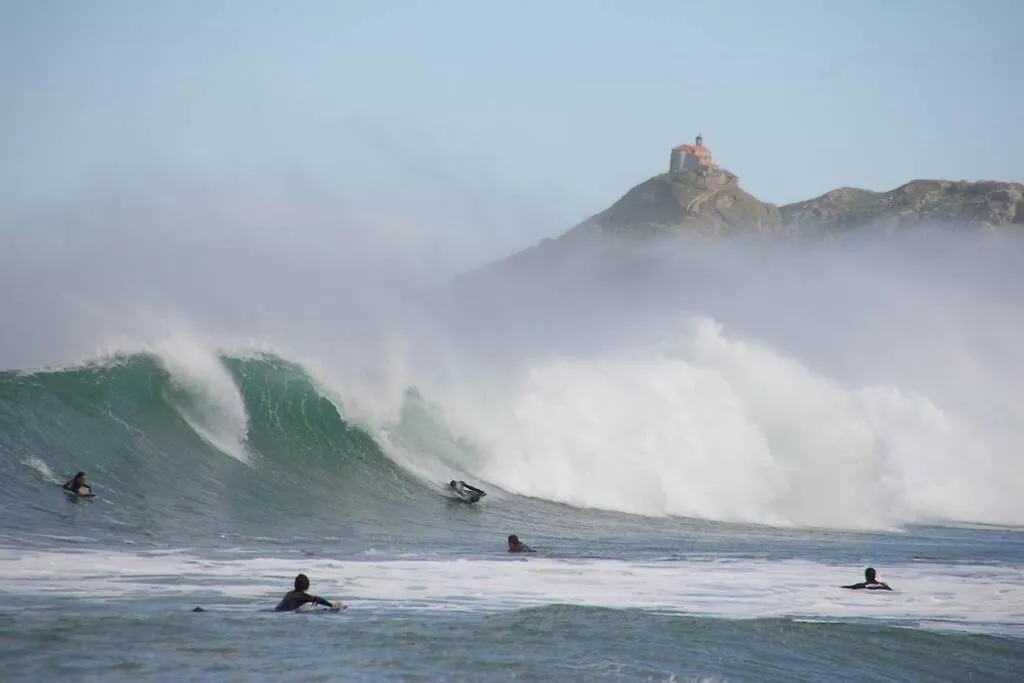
861, 383
704, 427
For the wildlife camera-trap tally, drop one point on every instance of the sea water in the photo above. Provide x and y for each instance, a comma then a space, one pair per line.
701, 458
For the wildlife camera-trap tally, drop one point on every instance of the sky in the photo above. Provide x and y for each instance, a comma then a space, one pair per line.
507, 121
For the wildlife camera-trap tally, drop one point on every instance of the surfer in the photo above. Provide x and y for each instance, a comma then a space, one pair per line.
870, 582
76, 484
297, 598
469, 493
517, 546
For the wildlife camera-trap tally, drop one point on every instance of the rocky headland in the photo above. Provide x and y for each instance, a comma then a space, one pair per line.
704, 200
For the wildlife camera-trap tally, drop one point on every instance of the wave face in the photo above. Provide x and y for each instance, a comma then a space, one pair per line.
250, 447
853, 384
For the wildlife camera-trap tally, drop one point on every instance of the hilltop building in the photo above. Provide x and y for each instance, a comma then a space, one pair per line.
695, 157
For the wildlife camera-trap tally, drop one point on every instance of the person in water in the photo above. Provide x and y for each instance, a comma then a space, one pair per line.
517, 546
470, 493
295, 599
76, 484
870, 582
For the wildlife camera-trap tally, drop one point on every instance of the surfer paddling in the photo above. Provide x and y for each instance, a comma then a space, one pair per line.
76, 484
870, 582
295, 599
517, 546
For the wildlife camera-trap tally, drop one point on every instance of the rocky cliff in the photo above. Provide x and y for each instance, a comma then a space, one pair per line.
687, 202
986, 204
693, 203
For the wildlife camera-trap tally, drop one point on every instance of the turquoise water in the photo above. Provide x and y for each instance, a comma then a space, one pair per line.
556, 642
104, 589
703, 442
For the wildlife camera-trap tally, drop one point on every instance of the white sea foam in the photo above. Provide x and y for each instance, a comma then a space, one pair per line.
212, 405
37, 463
977, 598
858, 382
711, 425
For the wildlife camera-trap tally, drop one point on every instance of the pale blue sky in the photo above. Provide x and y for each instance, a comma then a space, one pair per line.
519, 117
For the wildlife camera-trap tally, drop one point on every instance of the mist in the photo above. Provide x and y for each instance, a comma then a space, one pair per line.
860, 381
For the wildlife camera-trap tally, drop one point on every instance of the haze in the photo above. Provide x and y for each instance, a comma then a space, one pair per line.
494, 126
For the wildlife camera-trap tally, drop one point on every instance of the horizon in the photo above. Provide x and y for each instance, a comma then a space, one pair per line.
494, 127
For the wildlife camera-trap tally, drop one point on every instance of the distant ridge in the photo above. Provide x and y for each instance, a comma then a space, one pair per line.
708, 201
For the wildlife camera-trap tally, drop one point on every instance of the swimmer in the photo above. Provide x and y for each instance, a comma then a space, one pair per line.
870, 582
295, 599
517, 546
76, 484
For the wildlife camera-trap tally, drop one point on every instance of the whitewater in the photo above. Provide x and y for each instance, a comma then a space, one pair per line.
703, 439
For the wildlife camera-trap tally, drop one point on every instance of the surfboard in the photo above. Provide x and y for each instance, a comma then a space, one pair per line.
302, 610
468, 497
73, 494
320, 609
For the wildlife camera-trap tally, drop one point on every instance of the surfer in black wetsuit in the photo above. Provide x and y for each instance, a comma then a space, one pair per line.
465, 491
76, 484
299, 597
517, 546
870, 582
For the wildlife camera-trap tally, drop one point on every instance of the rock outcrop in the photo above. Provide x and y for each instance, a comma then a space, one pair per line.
690, 202
711, 204
986, 204
684, 202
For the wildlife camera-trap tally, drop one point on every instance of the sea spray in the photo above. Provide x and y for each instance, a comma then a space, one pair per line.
860, 382
205, 395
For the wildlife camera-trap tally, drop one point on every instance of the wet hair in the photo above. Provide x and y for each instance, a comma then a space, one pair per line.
451, 483
80, 475
513, 539
869, 574
301, 582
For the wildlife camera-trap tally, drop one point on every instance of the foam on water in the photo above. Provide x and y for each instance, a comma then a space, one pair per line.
711, 425
974, 598
210, 403
716, 426
40, 466
887, 394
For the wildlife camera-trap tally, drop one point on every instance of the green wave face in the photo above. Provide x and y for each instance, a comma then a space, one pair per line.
156, 448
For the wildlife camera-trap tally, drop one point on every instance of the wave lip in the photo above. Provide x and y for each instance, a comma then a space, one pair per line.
180, 442
205, 396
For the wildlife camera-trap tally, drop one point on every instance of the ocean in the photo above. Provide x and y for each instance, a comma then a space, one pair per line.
699, 467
